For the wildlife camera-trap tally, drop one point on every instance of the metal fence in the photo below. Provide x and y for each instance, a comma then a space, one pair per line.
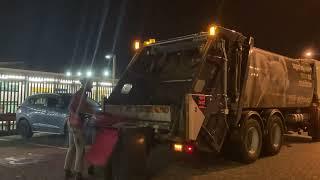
7, 124
14, 92
17, 85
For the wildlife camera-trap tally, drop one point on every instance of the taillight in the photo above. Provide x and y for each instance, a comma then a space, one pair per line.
187, 148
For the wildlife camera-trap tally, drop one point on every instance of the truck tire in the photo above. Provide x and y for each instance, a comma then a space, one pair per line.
251, 141
274, 138
24, 129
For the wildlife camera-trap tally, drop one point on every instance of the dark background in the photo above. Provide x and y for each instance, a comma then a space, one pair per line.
56, 35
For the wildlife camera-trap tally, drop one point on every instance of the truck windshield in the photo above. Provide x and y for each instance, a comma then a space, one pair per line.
160, 74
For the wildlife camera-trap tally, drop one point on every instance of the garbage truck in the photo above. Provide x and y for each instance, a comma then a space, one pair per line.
215, 92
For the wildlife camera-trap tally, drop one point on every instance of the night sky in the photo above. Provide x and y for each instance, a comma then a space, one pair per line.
56, 35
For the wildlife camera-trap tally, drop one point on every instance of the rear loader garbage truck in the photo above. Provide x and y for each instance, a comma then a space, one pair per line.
214, 91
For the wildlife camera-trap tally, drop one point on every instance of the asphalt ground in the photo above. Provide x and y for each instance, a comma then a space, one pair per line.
42, 158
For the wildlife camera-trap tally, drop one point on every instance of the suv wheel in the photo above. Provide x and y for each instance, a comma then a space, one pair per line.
24, 129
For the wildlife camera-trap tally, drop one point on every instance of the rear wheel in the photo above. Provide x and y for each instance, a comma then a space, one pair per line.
274, 138
251, 140
24, 129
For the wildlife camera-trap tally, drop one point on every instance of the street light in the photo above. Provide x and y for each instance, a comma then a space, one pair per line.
113, 58
79, 73
68, 73
89, 73
106, 73
311, 54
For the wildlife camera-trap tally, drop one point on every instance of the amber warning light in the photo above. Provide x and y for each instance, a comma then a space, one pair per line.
178, 147
212, 30
150, 41
136, 45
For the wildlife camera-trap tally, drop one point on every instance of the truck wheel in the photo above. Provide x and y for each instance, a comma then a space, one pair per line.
24, 129
274, 138
251, 141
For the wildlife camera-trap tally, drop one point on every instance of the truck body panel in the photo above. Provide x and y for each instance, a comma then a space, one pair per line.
194, 115
275, 81
159, 113
316, 76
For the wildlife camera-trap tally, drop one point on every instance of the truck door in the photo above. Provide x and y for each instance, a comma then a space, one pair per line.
211, 83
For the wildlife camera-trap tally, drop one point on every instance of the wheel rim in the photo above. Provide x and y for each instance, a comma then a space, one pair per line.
252, 140
276, 135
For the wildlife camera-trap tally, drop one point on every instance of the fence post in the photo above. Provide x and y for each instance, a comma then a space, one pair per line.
97, 88
26, 87
8, 125
1, 92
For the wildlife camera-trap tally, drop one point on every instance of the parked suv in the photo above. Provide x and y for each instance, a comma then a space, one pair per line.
45, 113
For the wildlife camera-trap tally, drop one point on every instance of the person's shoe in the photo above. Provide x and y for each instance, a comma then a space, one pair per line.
67, 174
78, 176
91, 170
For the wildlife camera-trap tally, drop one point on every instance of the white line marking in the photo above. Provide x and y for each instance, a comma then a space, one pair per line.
4, 140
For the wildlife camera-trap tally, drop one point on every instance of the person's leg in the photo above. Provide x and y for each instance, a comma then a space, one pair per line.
93, 138
79, 140
69, 160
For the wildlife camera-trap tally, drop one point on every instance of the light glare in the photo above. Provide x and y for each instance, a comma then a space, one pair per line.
309, 54
106, 73
108, 56
68, 74
212, 31
89, 74
136, 45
